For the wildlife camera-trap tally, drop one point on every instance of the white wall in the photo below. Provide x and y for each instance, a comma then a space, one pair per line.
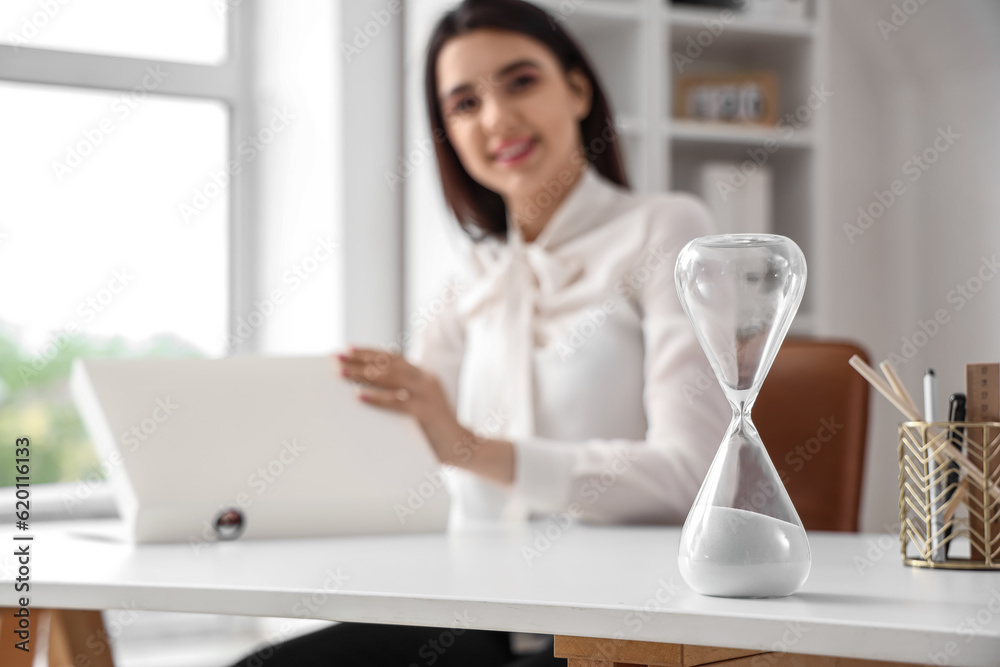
335, 66
433, 239
892, 94
295, 52
371, 131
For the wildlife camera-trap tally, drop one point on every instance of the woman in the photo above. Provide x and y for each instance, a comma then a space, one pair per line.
564, 377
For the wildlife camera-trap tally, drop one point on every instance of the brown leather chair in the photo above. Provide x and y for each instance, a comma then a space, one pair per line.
812, 414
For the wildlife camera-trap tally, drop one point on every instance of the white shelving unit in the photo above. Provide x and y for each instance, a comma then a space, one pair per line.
632, 42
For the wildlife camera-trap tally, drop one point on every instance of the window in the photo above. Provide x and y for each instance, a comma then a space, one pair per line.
121, 189
96, 261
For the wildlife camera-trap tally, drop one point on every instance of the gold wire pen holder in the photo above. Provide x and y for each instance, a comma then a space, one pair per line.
943, 468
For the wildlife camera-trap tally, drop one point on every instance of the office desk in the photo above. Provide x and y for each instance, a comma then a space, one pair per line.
577, 582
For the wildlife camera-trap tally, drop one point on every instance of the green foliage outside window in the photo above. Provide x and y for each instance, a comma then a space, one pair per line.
35, 402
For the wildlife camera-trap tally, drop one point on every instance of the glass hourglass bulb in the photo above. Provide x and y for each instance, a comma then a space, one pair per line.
742, 537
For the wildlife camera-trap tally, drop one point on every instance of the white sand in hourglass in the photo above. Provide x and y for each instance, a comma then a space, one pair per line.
739, 553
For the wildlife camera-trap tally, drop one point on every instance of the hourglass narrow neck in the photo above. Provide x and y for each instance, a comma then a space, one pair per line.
741, 407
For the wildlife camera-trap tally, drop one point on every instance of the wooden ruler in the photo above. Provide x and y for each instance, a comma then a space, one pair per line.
982, 390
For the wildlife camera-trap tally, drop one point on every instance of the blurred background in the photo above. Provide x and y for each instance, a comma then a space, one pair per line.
215, 177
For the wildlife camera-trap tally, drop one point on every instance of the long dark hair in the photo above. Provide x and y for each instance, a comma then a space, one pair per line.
480, 211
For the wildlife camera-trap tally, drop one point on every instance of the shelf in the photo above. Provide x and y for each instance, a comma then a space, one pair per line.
610, 9
621, 10
691, 131
687, 21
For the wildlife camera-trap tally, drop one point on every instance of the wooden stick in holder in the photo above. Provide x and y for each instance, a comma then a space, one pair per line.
898, 386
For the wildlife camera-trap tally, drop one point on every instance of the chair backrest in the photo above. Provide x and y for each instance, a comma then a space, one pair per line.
812, 414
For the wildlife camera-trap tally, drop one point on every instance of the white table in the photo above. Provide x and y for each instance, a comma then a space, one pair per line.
583, 581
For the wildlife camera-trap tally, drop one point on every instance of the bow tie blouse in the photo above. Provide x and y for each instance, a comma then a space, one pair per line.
575, 348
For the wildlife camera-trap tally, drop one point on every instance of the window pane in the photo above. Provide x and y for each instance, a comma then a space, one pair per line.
96, 256
177, 30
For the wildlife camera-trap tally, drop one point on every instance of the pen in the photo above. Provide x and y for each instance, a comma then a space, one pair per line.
937, 488
956, 413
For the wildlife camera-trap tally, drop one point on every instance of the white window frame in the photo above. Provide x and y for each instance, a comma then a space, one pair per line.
229, 82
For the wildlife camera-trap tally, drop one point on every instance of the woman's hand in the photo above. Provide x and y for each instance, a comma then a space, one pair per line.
390, 381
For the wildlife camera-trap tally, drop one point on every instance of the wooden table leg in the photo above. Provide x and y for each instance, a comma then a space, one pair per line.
10, 655
78, 637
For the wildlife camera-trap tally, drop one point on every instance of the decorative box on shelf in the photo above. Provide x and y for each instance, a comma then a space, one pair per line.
737, 97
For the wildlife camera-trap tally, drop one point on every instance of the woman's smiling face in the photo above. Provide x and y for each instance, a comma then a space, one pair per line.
511, 112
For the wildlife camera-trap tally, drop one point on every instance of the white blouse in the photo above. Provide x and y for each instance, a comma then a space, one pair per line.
575, 348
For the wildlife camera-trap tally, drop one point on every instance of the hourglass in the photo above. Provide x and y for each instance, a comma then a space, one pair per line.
742, 537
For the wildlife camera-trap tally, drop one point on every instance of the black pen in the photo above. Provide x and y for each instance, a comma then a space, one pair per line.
956, 413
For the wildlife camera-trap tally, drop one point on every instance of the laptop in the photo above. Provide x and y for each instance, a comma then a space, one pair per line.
254, 447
